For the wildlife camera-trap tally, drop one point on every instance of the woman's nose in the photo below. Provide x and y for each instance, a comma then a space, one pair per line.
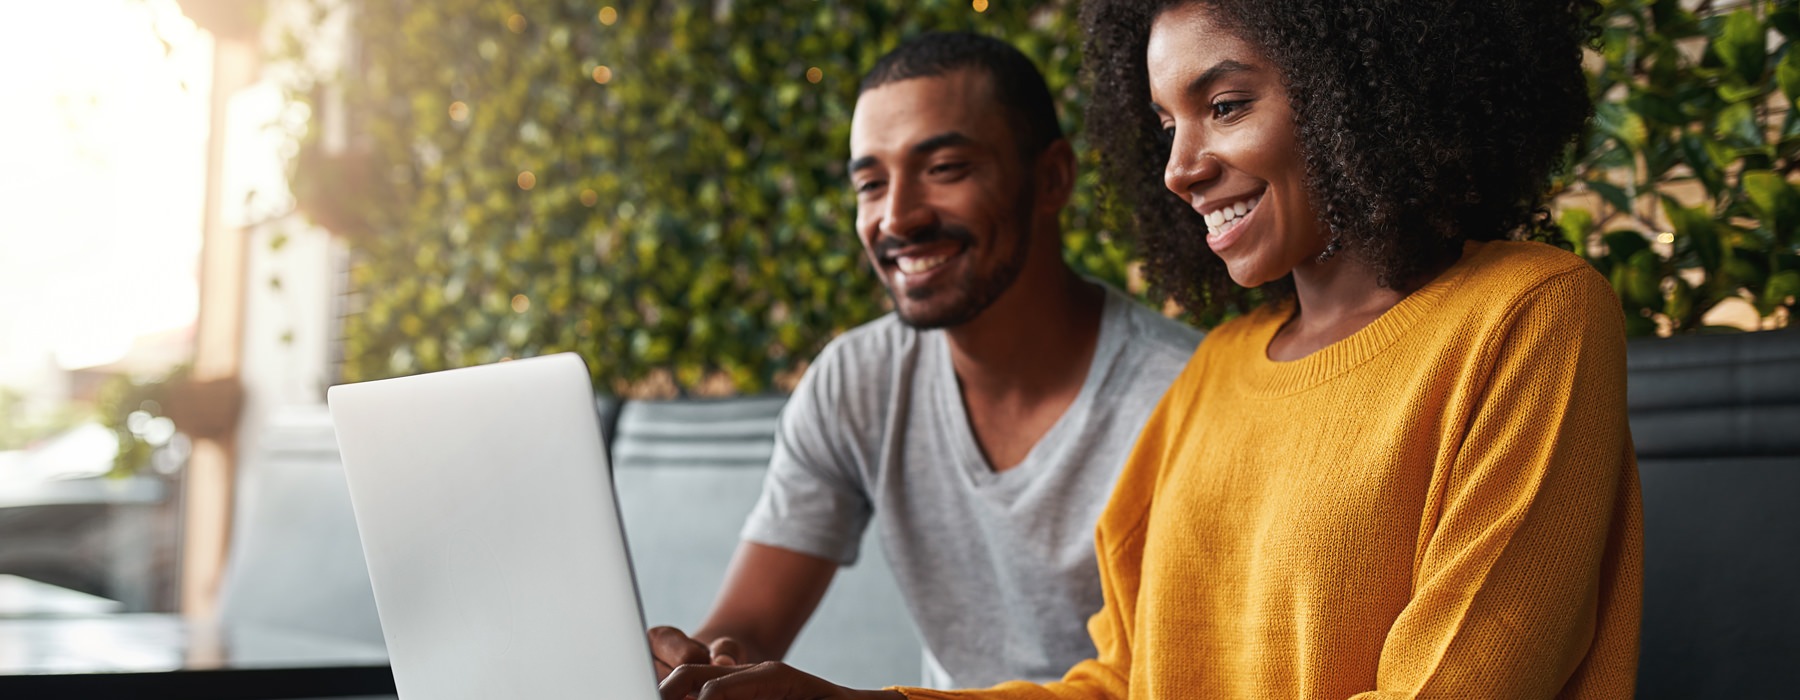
1189, 166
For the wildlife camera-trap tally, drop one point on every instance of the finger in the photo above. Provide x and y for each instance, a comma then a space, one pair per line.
674, 648
726, 652
770, 680
686, 680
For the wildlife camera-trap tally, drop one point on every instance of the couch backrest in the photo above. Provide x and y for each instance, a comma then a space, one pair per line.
296, 562
1716, 423
687, 474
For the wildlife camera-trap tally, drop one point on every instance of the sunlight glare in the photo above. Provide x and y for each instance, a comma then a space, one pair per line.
102, 157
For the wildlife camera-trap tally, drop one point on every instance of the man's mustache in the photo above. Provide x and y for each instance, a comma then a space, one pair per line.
885, 248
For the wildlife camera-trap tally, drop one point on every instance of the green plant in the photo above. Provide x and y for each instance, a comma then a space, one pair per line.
658, 186
1690, 164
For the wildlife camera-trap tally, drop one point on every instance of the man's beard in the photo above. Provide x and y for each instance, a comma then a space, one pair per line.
973, 293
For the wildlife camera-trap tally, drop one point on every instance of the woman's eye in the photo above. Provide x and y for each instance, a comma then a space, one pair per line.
1228, 108
1168, 133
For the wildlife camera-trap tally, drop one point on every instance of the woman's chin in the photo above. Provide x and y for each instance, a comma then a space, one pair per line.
1247, 275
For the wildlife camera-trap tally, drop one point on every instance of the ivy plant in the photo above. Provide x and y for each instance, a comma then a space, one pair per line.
1690, 162
659, 186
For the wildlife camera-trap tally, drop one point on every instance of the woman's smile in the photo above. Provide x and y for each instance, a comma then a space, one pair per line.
1225, 222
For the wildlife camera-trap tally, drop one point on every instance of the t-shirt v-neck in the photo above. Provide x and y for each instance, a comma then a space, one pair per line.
953, 413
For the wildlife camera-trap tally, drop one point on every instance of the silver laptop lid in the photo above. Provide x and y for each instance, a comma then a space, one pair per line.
487, 515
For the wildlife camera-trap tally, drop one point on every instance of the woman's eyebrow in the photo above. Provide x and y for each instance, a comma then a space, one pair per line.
1201, 83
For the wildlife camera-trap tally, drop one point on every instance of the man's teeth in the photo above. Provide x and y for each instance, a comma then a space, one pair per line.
912, 264
1232, 213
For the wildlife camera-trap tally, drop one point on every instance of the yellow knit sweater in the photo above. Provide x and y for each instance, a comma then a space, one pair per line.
1443, 505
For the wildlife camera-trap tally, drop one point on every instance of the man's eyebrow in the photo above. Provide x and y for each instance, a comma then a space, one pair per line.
1199, 84
944, 140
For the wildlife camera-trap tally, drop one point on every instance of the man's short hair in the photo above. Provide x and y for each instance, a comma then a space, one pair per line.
1018, 85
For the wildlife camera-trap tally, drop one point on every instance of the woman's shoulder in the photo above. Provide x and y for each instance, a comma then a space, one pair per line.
1515, 287
1504, 278
1240, 333
1494, 267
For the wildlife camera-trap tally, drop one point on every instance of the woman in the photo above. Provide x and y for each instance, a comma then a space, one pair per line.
1408, 473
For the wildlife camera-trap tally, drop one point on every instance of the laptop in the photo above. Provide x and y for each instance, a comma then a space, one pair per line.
486, 511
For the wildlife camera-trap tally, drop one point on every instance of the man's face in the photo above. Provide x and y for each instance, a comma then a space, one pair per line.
943, 196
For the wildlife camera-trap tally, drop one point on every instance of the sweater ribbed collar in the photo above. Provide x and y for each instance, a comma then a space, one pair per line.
1262, 376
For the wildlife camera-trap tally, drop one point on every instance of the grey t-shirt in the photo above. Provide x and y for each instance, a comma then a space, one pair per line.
997, 567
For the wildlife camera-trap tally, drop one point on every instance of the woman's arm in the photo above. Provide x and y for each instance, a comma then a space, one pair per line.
1529, 583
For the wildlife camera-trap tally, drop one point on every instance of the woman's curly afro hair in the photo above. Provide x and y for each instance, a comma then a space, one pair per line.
1422, 123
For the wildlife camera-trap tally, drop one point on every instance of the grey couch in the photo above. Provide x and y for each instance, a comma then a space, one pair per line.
1715, 419
1716, 422
687, 473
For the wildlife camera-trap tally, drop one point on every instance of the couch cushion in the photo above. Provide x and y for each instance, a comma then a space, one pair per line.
296, 561
687, 473
1716, 422
1715, 395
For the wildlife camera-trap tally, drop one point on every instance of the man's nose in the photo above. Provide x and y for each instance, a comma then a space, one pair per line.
905, 211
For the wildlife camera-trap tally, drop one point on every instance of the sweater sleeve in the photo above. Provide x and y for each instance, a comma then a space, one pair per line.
1527, 582
1119, 546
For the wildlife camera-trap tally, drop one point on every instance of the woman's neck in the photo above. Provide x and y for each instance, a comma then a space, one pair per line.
1335, 299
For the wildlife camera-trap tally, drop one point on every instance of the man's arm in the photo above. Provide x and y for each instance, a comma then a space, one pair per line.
768, 595
809, 520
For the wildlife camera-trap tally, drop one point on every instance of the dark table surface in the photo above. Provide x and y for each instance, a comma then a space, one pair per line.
169, 656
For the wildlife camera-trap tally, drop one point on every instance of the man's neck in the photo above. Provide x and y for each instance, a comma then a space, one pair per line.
1035, 341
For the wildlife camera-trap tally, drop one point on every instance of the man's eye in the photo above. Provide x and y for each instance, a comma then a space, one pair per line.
1228, 108
946, 168
869, 186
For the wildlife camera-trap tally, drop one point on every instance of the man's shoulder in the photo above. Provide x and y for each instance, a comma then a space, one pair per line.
856, 371
869, 345
1151, 334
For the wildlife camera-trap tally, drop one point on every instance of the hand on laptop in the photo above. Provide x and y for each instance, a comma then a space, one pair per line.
672, 647
770, 680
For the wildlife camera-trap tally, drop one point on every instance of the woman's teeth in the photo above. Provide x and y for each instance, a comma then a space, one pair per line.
913, 265
1225, 218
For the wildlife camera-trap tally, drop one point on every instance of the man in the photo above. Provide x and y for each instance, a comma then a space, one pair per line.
984, 421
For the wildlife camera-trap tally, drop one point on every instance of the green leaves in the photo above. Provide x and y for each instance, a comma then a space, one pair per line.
1787, 75
1700, 135
1782, 288
1618, 121
687, 225
1775, 202
1741, 45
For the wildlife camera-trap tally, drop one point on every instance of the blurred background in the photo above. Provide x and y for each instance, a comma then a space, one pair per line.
212, 210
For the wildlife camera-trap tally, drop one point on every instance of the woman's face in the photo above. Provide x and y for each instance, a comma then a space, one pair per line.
1234, 155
